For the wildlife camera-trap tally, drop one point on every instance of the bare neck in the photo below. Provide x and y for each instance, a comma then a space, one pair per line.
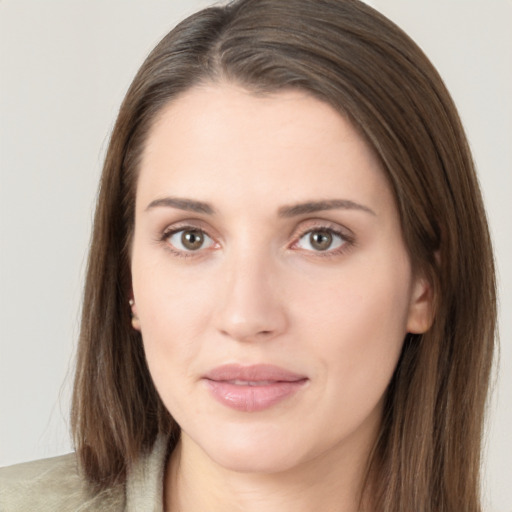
329, 482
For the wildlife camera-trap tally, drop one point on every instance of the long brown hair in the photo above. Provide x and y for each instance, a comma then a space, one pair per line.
427, 456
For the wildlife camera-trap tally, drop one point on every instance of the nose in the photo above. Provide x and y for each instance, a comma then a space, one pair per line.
251, 305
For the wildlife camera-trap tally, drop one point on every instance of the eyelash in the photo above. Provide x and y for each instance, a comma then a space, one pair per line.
348, 240
347, 243
177, 252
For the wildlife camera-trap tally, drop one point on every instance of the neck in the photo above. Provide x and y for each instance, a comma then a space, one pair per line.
330, 482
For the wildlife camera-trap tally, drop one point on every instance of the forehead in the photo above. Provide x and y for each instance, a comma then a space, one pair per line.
287, 145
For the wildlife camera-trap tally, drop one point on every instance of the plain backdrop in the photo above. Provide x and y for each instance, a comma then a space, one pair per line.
64, 68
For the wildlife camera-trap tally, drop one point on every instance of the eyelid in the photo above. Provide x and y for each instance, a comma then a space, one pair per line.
318, 225
305, 227
190, 224
187, 225
323, 225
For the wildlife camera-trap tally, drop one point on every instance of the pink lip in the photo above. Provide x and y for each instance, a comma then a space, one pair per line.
252, 388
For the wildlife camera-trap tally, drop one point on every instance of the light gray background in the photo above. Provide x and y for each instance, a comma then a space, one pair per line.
64, 67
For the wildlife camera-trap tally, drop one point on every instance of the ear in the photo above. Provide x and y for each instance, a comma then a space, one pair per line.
421, 307
135, 316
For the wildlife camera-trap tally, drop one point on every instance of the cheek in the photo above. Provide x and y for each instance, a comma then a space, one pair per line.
173, 311
356, 326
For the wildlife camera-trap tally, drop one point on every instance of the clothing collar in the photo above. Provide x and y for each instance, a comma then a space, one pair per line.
145, 480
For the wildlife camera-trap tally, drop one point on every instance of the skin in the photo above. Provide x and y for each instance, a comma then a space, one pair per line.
258, 291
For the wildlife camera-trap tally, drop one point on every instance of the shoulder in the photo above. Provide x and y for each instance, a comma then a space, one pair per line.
53, 484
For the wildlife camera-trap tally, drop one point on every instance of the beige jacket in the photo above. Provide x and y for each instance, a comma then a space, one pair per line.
54, 485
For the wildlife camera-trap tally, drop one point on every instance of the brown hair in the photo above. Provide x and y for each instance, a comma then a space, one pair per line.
427, 456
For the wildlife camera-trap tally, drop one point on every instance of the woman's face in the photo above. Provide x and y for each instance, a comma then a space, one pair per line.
271, 283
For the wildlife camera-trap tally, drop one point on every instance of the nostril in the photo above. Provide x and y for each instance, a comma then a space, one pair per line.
259, 333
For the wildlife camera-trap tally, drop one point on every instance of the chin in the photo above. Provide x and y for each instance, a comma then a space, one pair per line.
253, 450
254, 459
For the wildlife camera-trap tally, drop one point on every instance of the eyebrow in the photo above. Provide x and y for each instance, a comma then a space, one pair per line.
192, 205
189, 205
318, 206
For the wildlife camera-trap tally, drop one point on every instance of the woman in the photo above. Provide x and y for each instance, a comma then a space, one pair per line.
277, 310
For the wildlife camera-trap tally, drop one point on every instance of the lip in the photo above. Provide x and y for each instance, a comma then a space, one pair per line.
252, 388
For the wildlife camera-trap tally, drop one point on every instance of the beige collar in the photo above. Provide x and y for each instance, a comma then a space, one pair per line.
144, 484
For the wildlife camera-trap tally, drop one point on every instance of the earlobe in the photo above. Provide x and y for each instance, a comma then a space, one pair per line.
135, 317
421, 308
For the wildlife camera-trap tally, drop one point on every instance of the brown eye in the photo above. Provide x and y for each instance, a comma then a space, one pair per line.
192, 240
189, 240
321, 240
